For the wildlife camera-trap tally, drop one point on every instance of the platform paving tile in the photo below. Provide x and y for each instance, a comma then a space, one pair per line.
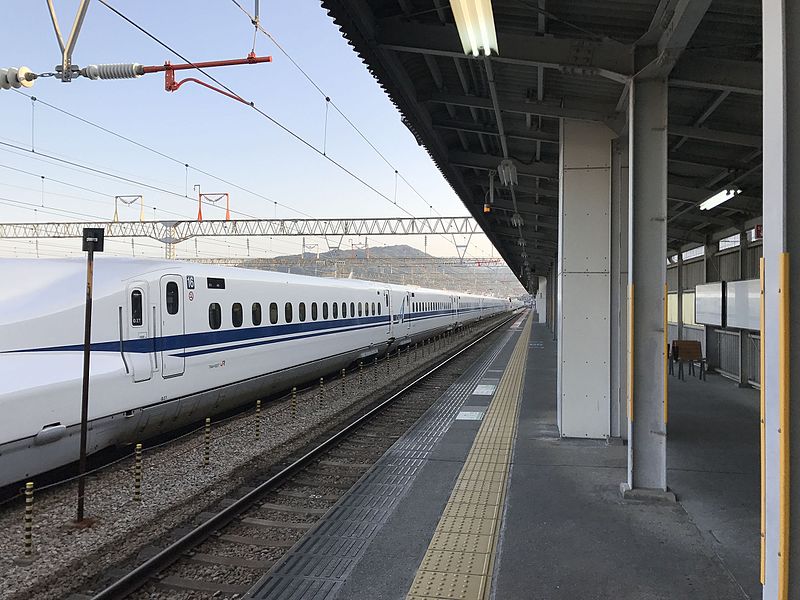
318, 565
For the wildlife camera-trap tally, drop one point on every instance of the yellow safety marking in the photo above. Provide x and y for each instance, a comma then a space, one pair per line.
460, 558
783, 433
664, 346
763, 428
630, 352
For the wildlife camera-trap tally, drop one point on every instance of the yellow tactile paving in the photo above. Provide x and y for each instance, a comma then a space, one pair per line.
458, 563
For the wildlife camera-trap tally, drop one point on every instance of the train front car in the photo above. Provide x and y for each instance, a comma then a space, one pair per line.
41, 360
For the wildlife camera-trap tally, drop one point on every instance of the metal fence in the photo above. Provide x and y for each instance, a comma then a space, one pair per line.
753, 359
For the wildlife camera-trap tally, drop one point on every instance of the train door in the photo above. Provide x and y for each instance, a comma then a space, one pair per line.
407, 303
387, 306
137, 346
172, 326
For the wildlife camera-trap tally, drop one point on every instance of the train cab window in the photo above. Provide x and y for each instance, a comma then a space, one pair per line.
325, 310
314, 311
256, 313
335, 307
352, 309
214, 315
237, 314
344, 310
287, 312
172, 298
137, 309
359, 309
301, 311
273, 312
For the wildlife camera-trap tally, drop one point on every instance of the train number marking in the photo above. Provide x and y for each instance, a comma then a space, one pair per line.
190, 282
191, 296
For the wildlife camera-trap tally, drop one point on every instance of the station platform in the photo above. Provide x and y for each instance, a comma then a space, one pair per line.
483, 499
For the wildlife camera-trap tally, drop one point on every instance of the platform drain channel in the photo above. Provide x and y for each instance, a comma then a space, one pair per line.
318, 566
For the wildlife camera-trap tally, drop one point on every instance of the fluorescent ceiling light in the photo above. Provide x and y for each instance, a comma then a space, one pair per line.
475, 23
719, 198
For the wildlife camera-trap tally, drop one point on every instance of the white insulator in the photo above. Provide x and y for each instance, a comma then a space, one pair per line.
113, 71
14, 77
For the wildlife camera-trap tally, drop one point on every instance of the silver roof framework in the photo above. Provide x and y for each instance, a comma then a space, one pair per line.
572, 60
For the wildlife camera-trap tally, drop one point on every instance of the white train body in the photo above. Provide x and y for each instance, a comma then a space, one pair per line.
176, 342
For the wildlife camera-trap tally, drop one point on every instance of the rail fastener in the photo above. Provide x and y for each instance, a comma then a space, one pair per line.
137, 474
375, 369
294, 402
360, 373
321, 391
344, 383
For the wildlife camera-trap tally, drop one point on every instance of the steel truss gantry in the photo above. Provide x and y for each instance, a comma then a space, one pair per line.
174, 232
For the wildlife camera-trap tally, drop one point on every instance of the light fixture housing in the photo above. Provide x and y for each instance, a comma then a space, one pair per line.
475, 23
507, 171
719, 198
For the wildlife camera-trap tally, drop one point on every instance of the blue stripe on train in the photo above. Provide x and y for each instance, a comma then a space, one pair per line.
231, 336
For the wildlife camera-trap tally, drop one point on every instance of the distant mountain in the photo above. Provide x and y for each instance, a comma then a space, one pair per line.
398, 251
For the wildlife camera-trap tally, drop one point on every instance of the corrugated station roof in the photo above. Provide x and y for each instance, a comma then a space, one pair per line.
572, 59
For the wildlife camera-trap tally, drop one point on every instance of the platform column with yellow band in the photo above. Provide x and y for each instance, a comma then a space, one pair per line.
460, 558
781, 249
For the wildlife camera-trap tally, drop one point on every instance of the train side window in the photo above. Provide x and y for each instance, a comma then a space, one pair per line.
273, 312
172, 298
379, 308
352, 309
373, 308
335, 306
359, 309
301, 311
137, 309
287, 312
314, 311
256, 313
214, 315
237, 314
344, 310
325, 310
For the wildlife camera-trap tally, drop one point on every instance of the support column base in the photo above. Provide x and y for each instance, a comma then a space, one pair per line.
647, 495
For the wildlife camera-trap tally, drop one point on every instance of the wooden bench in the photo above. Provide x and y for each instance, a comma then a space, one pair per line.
688, 351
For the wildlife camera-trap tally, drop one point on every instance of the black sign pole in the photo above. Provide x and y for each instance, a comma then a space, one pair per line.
92, 242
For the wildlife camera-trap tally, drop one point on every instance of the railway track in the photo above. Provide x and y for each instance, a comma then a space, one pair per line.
225, 552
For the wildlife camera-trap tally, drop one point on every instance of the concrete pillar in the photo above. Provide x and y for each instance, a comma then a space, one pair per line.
781, 336
679, 274
710, 273
647, 276
744, 348
584, 280
619, 288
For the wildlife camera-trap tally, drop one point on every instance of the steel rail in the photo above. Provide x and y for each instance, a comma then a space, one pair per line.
140, 575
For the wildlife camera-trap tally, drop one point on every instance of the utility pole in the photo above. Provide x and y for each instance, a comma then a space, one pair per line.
93, 239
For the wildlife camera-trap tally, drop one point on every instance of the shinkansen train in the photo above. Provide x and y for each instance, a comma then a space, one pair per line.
175, 342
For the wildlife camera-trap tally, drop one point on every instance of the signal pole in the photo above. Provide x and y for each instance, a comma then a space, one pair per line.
93, 239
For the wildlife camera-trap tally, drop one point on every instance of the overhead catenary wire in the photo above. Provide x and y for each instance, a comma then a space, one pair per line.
328, 100
264, 114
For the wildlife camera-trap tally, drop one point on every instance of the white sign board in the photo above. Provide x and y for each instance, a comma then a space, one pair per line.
743, 300
708, 303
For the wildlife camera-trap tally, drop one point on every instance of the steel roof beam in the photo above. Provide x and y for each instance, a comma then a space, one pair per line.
698, 72
605, 59
713, 135
532, 108
465, 126
486, 162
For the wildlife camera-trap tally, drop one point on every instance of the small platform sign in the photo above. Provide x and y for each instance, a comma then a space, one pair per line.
485, 389
471, 413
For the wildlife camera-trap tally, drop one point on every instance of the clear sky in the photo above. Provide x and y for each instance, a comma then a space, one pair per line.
205, 129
